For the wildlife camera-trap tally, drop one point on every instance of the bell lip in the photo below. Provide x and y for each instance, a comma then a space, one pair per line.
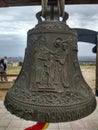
26, 103
40, 113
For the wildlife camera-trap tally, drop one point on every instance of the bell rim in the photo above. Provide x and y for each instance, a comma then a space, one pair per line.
72, 114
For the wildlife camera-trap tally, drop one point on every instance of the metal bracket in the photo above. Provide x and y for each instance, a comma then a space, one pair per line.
48, 5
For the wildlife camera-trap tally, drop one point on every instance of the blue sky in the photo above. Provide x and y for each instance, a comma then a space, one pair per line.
16, 21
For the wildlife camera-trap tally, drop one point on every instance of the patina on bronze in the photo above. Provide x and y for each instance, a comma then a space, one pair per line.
50, 86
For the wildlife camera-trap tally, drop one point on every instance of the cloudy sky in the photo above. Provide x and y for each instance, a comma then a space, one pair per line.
16, 21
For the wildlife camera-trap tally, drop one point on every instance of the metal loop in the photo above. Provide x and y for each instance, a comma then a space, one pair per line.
61, 7
44, 7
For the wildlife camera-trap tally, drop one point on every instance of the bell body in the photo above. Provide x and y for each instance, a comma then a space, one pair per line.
50, 86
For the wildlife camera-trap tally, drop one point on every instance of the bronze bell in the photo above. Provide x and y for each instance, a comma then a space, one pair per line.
50, 86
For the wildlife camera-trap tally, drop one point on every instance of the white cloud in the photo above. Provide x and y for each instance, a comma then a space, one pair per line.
83, 16
16, 21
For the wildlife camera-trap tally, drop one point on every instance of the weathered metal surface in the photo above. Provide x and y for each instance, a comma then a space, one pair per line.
38, 2
50, 86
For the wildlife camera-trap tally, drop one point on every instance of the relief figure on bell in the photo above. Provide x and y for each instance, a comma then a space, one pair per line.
51, 65
51, 70
65, 68
62, 56
39, 58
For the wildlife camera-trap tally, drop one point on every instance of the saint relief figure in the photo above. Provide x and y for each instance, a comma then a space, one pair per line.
62, 56
43, 70
51, 70
51, 66
65, 67
40, 57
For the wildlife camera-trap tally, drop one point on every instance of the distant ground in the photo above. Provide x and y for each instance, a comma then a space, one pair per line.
88, 72
2, 94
